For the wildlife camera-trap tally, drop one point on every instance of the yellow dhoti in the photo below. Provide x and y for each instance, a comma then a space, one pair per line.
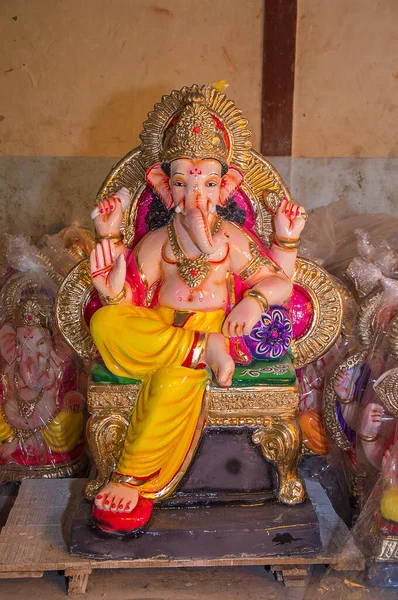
62, 434
165, 426
5, 431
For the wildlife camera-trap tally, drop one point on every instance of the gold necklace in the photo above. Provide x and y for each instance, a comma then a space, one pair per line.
26, 408
24, 434
193, 271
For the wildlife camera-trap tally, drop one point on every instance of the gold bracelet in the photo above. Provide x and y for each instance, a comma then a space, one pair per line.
114, 238
288, 244
259, 297
109, 300
367, 438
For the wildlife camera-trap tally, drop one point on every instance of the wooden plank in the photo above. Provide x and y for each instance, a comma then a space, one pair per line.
21, 574
29, 543
77, 584
292, 576
279, 56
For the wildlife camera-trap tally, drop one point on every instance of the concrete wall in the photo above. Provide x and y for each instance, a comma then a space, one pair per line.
346, 86
345, 145
81, 75
78, 78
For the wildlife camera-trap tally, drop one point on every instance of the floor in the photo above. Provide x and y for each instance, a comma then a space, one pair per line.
248, 583
160, 584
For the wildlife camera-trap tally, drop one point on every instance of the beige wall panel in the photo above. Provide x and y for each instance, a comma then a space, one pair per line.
79, 76
346, 94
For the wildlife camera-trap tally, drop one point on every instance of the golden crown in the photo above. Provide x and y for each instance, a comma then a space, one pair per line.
195, 135
196, 122
34, 311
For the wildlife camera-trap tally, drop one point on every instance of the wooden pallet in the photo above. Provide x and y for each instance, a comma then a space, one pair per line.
33, 540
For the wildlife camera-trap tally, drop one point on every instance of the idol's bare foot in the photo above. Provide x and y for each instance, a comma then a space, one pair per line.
117, 497
219, 360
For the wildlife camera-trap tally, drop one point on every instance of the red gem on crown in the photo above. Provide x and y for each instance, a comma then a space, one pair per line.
196, 129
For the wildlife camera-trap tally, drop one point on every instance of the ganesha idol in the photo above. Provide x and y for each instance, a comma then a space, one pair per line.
41, 418
193, 296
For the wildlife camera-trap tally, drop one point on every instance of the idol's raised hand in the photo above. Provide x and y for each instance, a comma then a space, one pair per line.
108, 213
107, 272
289, 220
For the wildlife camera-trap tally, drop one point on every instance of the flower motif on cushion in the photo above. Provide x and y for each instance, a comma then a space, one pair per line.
272, 335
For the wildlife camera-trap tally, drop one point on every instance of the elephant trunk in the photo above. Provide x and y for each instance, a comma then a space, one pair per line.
28, 375
202, 235
31, 372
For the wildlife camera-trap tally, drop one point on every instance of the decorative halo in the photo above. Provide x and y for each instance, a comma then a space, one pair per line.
74, 294
218, 104
328, 312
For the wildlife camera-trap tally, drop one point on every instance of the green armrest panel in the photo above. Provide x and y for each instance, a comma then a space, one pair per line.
259, 372
265, 372
100, 374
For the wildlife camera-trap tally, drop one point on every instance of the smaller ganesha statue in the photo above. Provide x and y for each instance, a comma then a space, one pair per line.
41, 418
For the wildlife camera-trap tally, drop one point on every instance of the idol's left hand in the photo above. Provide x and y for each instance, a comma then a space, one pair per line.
242, 318
289, 220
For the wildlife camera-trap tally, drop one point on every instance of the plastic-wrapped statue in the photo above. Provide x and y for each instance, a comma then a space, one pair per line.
185, 265
41, 416
41, 407
67, 247
361, 400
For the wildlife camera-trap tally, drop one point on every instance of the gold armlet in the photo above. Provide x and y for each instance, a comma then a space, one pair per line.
287, 244
367, 438
345, 401
259, 297
116, 300
257, 262
115, 238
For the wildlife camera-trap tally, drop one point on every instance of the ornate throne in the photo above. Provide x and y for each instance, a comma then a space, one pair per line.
260, 408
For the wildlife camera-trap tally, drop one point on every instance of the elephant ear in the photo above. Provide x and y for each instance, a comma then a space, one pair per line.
159, 181
8, 339
60, 352
229, 184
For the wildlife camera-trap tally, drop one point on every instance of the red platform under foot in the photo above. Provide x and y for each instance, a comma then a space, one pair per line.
113, 522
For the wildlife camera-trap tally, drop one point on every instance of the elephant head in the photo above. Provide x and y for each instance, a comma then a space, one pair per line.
31, 346
194, 188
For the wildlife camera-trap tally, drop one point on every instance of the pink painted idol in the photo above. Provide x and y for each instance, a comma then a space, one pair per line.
185, 325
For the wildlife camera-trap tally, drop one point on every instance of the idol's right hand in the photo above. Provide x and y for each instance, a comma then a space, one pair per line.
108, 274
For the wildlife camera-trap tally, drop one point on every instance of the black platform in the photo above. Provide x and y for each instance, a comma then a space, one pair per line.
214, 531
